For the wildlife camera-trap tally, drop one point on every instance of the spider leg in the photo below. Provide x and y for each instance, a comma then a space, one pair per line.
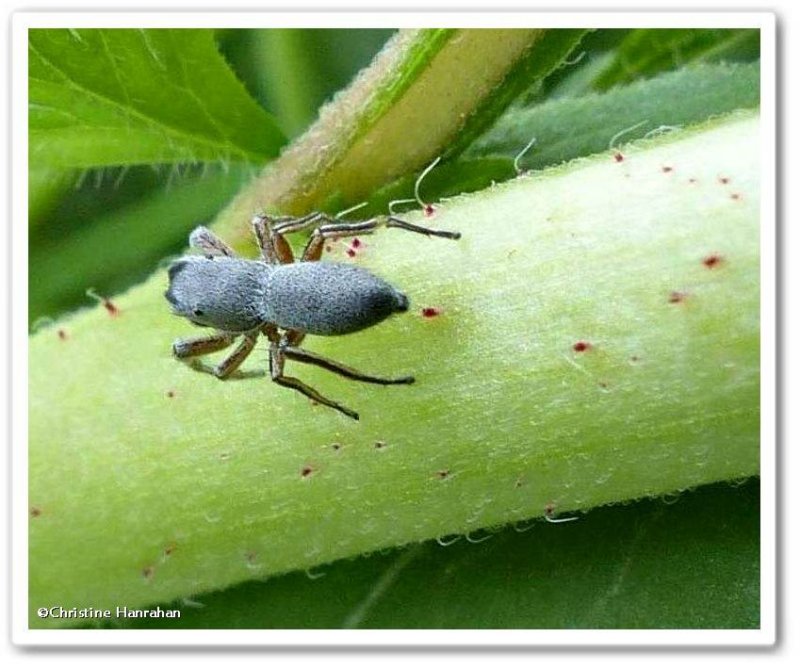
270, 231
334, 229
274, 249
301, 355
190, 348
294, 337
230, 364
276, 363
288, 338
206, 241
394, 222
285, 225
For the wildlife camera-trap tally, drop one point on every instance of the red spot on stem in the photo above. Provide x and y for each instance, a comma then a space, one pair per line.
431, 312
618, 157
676, 297
110, 307
581, 346
712, 261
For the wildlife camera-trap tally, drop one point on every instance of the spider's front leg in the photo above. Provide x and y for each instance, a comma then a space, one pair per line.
187, 349
191, 348
335, 229
275, 249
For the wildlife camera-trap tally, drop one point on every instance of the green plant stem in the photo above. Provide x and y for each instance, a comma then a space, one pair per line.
418, 95
149, 481
678, 562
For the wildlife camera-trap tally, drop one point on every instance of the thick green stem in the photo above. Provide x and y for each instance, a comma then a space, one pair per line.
597, 341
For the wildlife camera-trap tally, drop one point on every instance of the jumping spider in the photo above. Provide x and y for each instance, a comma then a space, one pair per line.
283, 299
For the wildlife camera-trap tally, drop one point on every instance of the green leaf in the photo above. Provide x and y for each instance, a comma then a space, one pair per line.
121, 97
170, 483
573, 127
648, 51
676, 563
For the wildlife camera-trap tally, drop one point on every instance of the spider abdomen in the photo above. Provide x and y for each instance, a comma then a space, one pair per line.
328, 298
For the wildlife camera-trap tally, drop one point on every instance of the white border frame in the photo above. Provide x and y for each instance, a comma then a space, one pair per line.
22, 635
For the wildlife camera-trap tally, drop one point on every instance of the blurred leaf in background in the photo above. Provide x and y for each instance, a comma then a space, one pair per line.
645, 52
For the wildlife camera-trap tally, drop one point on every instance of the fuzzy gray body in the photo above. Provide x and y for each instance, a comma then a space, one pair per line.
320, 298
327, 298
